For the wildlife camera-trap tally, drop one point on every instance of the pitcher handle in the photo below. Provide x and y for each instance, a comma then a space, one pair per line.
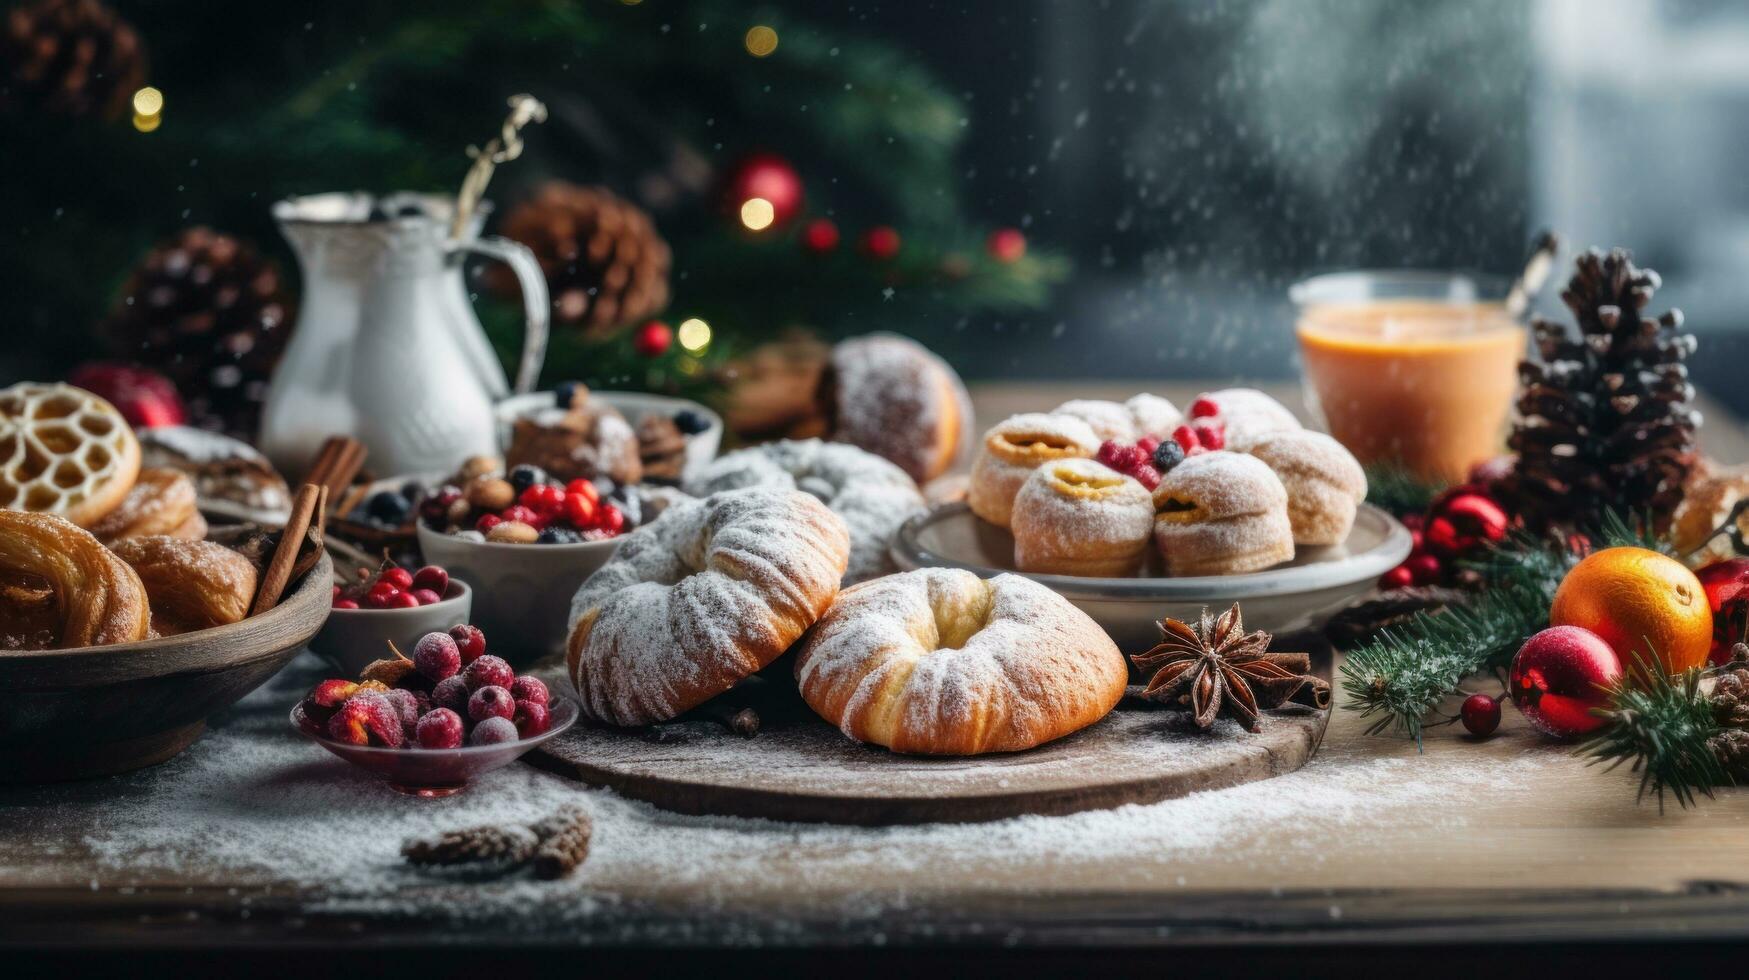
537, 309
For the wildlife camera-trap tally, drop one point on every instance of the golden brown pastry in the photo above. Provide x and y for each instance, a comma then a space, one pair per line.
1016, 446
162, 501
64, 451
1324, 483
1080, 517
891, 396
941, 662
191, 585
94, 597
1221, 513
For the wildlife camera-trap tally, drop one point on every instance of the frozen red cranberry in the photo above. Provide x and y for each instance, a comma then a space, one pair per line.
1186, 438
345, 604
336, 593
436, 656
530, 688
326, 698
425, 597
401, 600
431, 577
1203, 408
406, 707
491, 702
400, 578
366, 718
579, 510
531, 719
493, 731
488, 671
519, 514
487, 522
469, 640
1211, 435
610, 519
451, 693
441, 729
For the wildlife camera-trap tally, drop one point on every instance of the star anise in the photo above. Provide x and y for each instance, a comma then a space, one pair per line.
1216, 668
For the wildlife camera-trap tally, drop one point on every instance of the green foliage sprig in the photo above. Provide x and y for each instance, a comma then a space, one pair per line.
1661, 727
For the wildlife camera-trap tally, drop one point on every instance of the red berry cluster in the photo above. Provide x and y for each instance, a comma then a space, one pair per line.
393, 587
1132, 460
1148, 458
452, 692
1461, 523
540, 512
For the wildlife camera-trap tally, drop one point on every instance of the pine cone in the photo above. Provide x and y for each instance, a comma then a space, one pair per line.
1731, 748
564, 842
208, 311
606, 265
71, 57
1730, 699
1605, 422
475, 845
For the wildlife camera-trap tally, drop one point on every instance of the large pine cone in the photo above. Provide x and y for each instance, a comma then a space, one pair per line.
1605, 422
605, 263
1730, 699
1731, 748
73, 57
208, 311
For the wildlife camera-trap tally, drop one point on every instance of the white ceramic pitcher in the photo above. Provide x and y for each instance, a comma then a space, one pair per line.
387, 348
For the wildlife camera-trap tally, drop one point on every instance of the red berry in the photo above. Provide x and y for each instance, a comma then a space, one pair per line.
653, 339
441, 728
400, 578
1186, 438
487, 522
425, 597
1441, 537
432, 577
406, 705
1424, 569
1118, 456
491, 702
1481, 714
1414, 522
1148, 444
531, 719
530, 688
345, 604
1146, 475
542, 498
366, 718
610, 519
493, 731
383, 599
820, 236
579, 509
335, 594
451, 693
1212, 435
401, 600
520, 514
1397, 578
469, 640
1204, 408
1476, 515
1415, 541
880, 242
488, 671
585, 487
1006, 244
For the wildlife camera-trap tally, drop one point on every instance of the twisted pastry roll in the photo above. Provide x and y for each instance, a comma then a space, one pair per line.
96, 598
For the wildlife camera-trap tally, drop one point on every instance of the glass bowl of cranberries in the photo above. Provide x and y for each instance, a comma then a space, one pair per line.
431, 722
389, 605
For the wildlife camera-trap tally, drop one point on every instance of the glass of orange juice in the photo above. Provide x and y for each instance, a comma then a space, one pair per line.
1416, 369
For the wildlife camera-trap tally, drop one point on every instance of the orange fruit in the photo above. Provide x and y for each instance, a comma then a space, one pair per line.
1642, 604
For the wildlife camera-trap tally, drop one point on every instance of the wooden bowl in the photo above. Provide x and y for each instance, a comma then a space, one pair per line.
94, 711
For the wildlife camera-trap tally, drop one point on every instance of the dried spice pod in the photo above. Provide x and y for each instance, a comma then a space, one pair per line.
1215, 668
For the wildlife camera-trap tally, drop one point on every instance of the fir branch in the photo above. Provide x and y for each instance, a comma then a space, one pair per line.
1399, 491
1660, 726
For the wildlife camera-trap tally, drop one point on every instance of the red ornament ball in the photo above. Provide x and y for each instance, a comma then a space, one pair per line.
820, 236
653, 339
880, 243
1727, 592
144, 397
1481, 714
1006, 244
767, 176
1559, 675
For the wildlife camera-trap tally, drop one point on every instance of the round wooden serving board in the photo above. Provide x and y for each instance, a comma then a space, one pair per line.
803, 769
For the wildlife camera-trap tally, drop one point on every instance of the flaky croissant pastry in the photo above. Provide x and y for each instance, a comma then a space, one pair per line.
161, 502
92, 597
192, 585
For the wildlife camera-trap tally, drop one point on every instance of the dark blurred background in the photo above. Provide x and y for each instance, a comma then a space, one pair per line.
1170, 166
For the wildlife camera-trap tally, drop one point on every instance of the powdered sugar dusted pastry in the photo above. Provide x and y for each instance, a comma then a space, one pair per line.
707, 594
939, 661
1143, 415
162, 502
1016, 446
1247, 414
1221, 513
583, 440
872, 495
891, 396
221, 467
1080, 517
1324, 483
191, 585
1154, 417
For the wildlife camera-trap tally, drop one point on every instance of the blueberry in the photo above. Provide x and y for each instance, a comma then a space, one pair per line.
563, 392
558, 535
525, 476
1167, 455
690, 423
388, 507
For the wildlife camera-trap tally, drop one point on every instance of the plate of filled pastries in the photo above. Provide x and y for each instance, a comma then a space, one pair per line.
124, 619
1134, 510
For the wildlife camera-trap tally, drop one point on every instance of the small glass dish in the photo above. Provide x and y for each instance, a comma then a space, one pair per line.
442, 772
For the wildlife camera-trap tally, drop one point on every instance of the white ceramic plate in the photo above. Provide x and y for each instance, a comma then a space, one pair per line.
1298, 595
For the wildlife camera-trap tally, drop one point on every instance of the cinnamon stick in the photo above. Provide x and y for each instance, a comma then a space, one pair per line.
306, 508
337, 465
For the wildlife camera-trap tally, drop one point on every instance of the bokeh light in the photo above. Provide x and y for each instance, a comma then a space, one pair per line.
760, 40
148, 102
757, 214
694, 334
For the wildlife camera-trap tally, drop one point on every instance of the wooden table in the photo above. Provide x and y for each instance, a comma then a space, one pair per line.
1498, 841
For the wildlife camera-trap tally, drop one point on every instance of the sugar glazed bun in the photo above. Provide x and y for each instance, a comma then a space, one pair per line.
64, 451
1079, 517
1016, 446
80, 594
872, 495
1144, 415
1324, 483
889, 395
162, 502
1221, 513
938, 661
1248, 414
699, 599
191, 585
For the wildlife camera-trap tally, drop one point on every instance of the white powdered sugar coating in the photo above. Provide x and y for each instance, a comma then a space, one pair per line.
222, 468
872, 495
1154, 416
1016, 446
1236, 520
939, 660
195, 445
614, 437
1143, 415
1247, 414
896, 400
1324, 482
1080, 517
702, 597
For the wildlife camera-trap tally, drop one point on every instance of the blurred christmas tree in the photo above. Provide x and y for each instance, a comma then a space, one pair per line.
796, 178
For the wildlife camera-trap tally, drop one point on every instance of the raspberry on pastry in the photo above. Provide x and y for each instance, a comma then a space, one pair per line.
1244, 414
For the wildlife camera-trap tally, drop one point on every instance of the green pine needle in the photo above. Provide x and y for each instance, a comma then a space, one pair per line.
1660, 727
1395, 489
